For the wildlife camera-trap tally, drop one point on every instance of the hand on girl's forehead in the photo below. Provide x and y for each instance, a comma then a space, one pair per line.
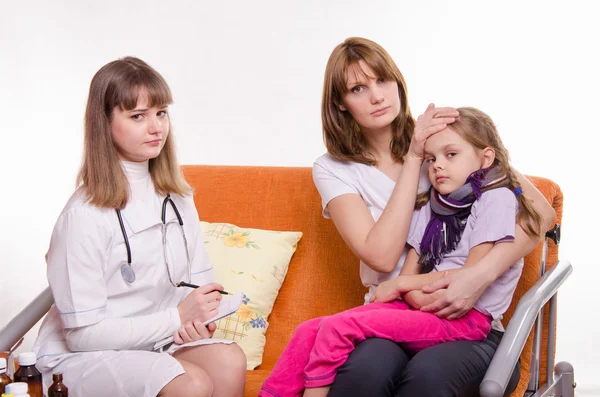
442, 139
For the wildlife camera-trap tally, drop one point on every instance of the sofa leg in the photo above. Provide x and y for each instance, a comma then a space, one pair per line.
563, 384
565, 372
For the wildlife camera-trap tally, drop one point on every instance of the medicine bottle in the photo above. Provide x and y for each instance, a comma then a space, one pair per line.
29, 374
4, 378
17, 389
58, 388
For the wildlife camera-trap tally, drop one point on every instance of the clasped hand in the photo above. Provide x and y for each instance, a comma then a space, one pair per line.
200, 305
392, 289
462, 290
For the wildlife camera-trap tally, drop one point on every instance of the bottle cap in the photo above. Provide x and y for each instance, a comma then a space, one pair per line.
57, 376
27, 358
2, 364
16, 388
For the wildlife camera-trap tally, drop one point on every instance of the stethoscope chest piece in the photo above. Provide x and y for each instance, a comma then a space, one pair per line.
127, 273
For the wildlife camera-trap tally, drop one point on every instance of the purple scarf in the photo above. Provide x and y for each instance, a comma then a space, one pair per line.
449, 215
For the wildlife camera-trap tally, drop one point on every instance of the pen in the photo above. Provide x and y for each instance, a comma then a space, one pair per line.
184, 284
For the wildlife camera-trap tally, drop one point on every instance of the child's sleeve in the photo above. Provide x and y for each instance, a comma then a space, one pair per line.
494, 217
418, 224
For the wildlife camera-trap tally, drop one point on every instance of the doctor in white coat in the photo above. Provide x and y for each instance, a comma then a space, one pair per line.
126, 237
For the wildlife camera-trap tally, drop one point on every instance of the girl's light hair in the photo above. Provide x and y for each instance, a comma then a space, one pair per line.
341, 133
120, 83
479, 130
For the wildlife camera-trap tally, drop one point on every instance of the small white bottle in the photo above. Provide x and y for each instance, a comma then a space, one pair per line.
17, 389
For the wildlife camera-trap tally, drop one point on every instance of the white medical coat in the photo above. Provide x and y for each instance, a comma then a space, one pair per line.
84, 261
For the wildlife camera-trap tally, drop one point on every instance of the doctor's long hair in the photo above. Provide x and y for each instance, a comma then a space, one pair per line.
478, 129
120, 83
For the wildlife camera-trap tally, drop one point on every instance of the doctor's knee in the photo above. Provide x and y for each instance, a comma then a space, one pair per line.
195, 382
234, 357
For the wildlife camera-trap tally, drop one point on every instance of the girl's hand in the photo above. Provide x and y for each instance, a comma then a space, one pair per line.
193, 331
463, 289
386, 291
417, 298
431, 122
201, 304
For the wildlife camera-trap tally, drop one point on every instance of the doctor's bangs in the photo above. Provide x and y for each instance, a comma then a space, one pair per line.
137, 83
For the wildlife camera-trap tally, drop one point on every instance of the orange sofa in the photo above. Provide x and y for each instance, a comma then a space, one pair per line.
323, 276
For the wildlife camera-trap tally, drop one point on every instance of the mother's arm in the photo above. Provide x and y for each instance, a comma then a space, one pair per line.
378, 244
464, 287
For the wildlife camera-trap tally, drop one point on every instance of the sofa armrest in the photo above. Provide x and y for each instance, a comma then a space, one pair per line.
498, 374
25, 320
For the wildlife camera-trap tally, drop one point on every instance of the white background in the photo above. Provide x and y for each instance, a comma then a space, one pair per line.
247, 80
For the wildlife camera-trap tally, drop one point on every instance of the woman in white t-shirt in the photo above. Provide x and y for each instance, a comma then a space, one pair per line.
126, 237
368, 182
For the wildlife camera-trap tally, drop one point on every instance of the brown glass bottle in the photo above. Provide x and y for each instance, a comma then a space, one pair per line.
58, 389
29, 374
4, 378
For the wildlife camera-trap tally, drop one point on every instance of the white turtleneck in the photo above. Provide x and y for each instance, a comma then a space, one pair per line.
140, 181
136, 171
128, 333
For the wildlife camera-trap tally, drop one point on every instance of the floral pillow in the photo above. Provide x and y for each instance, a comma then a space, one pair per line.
255, 262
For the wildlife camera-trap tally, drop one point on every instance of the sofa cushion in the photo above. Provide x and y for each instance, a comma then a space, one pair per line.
255, 262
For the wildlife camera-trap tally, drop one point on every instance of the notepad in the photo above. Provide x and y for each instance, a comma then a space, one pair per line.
229, 305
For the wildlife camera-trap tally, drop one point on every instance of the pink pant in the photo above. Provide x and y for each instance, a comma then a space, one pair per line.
321, 345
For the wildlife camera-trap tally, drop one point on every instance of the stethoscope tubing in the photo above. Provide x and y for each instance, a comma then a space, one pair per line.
164, 210
125, 238
129, 276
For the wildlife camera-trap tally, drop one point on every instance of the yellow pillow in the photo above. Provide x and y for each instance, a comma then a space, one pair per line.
255, 262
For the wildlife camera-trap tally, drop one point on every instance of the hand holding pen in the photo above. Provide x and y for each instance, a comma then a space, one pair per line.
201, 304
198, 306
184, 284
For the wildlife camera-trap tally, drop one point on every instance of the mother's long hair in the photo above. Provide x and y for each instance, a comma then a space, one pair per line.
341, 133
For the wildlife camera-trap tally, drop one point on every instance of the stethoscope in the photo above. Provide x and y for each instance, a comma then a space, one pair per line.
127, 271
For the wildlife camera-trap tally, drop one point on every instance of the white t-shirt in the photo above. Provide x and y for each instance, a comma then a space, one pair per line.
334, 177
